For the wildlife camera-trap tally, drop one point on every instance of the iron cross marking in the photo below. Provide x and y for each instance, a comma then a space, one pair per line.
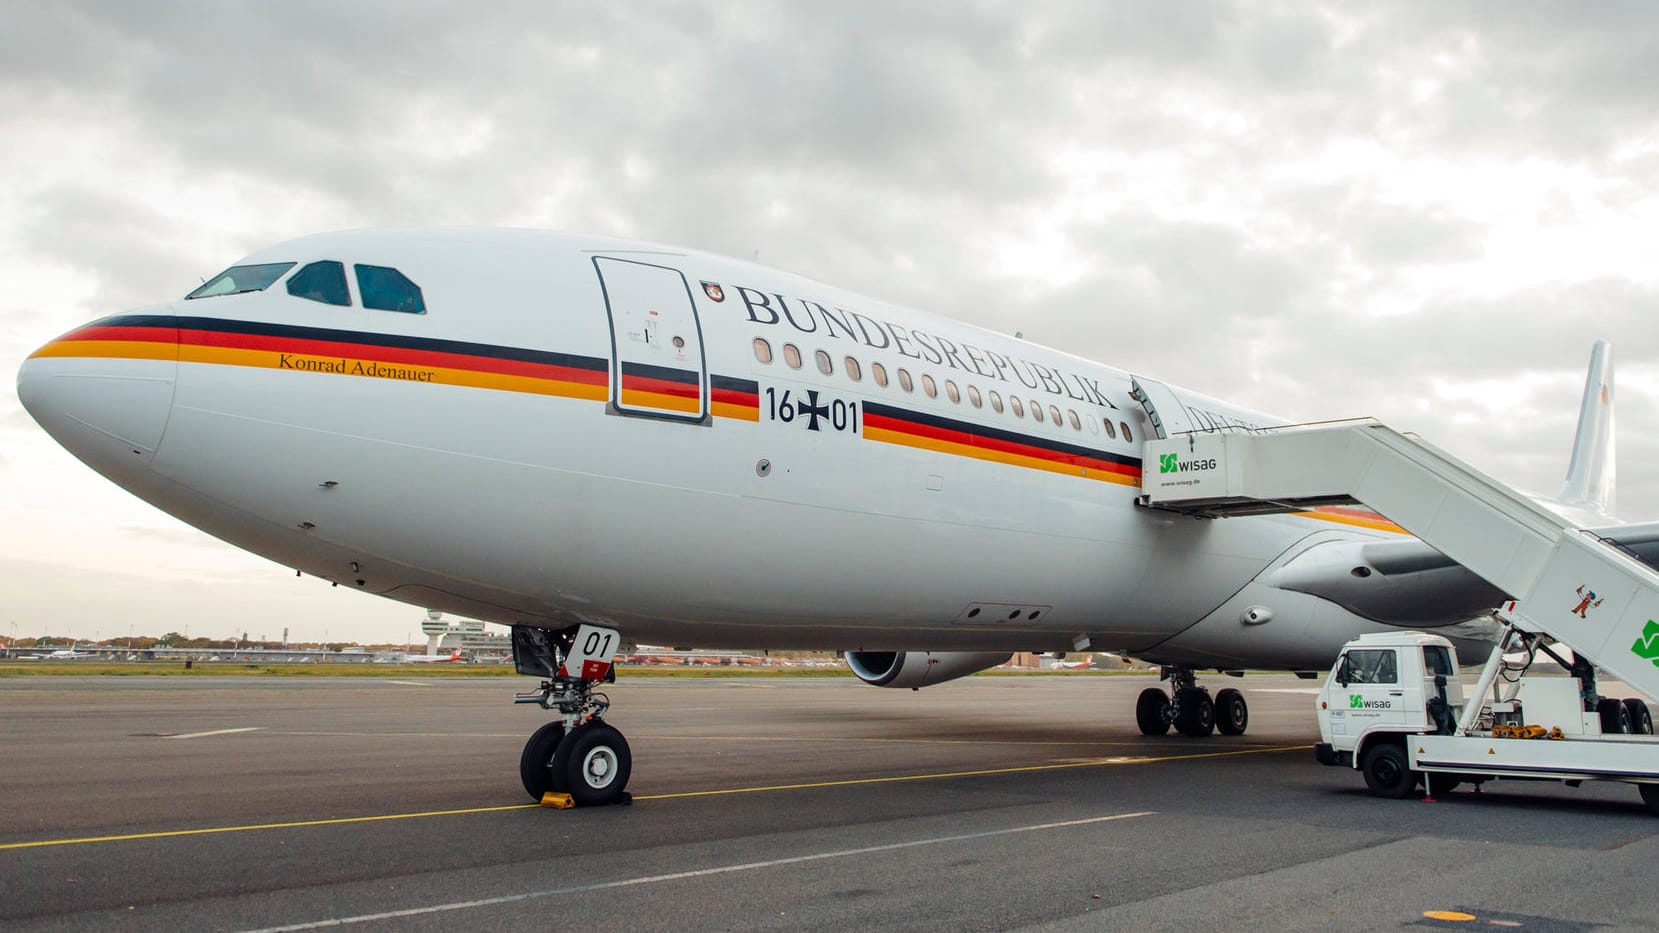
813, 410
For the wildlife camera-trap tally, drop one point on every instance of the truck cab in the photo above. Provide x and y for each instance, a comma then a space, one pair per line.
1387, 684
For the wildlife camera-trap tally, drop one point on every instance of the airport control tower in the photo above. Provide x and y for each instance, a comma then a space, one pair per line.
478, 642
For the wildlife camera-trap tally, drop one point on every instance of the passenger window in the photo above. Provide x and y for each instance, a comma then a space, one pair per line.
1111, 432
904, 380
1125, 426
853, 371
878, 372
1054, 414
973, 397
1037, 412
321, 281
1016, 406
1071, 416
763, 350
240, 279
996, 402
825, 366
386, 289
792, 355
929, 387
953, 392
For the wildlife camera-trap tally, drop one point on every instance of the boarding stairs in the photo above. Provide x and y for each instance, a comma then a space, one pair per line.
1568, 584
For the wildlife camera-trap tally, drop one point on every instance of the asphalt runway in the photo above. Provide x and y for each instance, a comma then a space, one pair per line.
985, 804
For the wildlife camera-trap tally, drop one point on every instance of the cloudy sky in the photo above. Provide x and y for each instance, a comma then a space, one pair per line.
1422, 212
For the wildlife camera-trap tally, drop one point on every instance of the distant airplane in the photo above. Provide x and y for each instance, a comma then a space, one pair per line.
454, 657
1084, 664
595, 440
67, 654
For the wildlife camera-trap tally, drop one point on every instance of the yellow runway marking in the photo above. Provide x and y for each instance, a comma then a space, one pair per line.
850, 782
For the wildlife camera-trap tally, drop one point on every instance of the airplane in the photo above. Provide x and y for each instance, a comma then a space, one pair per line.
1080, 665
454, 657
66, 654
599, 441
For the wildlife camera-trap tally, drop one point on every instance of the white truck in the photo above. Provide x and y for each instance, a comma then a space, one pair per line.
1393, 708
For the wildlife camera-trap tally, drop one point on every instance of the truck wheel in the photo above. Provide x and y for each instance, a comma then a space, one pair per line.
1650, 796
1615, 718
1387, 772
1641, 720
1150, 712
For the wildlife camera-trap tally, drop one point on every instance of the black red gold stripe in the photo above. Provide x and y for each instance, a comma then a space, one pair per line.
892, 425
661, 388
734, 398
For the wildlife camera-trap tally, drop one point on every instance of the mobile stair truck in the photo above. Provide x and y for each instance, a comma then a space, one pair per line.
1569, 588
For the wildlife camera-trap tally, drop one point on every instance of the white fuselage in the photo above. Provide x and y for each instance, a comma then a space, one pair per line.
579, 429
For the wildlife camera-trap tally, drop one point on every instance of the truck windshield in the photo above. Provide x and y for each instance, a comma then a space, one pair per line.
238, 280
1370, 666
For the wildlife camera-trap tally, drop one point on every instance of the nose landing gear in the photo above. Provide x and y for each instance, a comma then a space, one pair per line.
579, 753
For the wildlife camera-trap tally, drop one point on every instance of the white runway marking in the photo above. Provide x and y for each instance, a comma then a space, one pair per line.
408, 683
682, 875
201, 735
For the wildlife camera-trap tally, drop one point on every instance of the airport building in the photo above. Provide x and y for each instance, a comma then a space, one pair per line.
477, 643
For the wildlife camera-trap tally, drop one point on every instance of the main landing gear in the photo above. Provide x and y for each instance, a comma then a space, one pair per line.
579, 753
1190, 708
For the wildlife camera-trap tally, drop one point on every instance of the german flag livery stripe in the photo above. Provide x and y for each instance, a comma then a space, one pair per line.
734, 398
891, 425
661, 388
1348, 515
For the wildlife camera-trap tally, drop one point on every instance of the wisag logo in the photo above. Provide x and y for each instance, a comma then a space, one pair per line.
1355, 701
1169, 463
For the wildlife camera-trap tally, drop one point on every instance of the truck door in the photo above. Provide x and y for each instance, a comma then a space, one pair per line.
657, 364
1367, 694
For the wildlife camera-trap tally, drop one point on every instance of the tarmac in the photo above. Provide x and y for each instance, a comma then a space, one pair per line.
991, 803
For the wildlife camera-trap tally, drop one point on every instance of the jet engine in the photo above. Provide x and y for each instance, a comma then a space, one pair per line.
919, 668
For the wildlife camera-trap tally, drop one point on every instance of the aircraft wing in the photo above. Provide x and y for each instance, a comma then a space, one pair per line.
1408, 583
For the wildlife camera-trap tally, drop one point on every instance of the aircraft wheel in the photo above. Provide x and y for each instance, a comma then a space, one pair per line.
1615, 716
1151, 712
1197, 716
1641, 720
535, 765
1387, 772
593, 764
1232, 714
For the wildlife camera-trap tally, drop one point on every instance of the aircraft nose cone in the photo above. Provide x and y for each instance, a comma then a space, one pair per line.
104, 391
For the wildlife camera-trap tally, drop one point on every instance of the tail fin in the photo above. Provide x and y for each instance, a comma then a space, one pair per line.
1590, 474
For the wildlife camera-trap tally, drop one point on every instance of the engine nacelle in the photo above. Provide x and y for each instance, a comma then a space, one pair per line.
920, 668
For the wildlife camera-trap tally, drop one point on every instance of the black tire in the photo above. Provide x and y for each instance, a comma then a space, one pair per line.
1641, 719
1232, 714
593, 764
535, 764
1650, 796
1151, 712
1387, 771
1615, 718
1197, 716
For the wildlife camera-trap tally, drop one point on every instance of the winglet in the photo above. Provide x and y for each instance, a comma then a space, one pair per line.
1590, 474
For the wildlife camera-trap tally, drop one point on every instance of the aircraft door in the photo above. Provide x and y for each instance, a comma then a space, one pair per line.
1163, 409
658, 367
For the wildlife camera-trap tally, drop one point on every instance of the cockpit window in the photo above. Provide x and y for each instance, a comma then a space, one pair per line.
321, 281
238, 280
386, 289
